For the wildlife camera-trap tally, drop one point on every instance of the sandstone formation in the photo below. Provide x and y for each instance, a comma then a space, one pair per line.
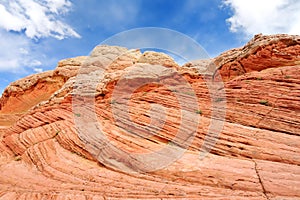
48, 149
23, 94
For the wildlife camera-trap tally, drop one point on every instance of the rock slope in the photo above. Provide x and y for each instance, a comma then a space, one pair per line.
48, 149
23, 94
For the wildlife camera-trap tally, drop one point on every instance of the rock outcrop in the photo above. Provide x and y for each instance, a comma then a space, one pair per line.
51, 147
25, 93
262, 52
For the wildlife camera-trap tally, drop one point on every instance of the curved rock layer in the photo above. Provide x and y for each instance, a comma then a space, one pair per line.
25, 93
256, 155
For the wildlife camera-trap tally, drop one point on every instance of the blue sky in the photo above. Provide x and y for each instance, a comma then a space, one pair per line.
36, 34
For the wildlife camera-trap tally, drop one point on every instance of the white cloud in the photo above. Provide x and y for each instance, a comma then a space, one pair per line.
38, 70
264, 16
16, 55
36, 18
15, 51
24, 21
35, 63
57, 6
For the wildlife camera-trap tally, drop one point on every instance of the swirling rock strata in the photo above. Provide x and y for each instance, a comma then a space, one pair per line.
256, 156
25, 93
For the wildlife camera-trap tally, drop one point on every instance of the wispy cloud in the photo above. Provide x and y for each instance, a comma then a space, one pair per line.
15, 52
36, 18
267, 16
22, 24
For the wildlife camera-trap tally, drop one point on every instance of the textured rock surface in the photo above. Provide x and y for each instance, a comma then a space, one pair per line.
25, 93
260, 53
256, 156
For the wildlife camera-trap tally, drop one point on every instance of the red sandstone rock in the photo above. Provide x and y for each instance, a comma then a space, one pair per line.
256, 155
25, 93
262, 52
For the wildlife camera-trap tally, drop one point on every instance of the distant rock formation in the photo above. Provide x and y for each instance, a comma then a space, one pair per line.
256, 155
